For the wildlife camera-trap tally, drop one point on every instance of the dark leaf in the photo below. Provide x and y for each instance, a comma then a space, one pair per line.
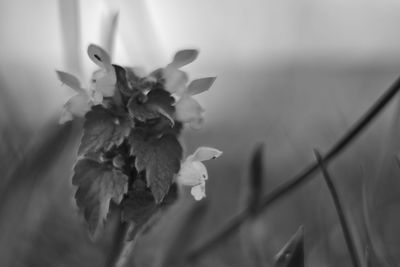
102, 131
153, 105
140, 209
97, 185
159, 156
256, 177
292, 254
122, 82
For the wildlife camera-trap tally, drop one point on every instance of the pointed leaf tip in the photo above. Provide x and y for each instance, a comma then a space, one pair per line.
292, 253
256, 176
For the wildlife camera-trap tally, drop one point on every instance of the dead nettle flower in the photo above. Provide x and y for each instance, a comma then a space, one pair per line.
104, 79
193, 172
188, 110
80, 103
103, 85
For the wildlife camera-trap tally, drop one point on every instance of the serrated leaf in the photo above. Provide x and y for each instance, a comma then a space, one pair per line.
159, 156
153, 105
122, 82
102, 131
184, 57
198, 86
98, 184
292, 254
139, 207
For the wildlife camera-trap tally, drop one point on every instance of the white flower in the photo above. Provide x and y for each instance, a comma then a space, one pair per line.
187, 108
80, 103
193, 173
104, 79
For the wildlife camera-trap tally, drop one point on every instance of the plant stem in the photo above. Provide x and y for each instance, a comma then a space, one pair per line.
344, 221
303, 176
118, 242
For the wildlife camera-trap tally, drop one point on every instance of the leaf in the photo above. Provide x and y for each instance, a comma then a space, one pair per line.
97, 185
102, 130
184, 57
159, 156
139, 207
157, 102
200, 85
256, 178
122, 82
292, 254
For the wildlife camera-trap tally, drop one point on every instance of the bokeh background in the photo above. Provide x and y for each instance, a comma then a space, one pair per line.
294, 74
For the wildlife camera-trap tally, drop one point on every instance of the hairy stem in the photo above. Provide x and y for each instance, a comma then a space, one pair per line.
306, 174
344, 221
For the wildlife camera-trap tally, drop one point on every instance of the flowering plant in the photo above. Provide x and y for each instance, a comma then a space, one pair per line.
130, 151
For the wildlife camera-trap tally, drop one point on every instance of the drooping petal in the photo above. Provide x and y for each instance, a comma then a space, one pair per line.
200, 85
188, 109
95, 96
104, 82
78, 105
100, 57
199, 191
206, 153
65, 116
184, 57
175, 80
197, 124
192, 173
69, 80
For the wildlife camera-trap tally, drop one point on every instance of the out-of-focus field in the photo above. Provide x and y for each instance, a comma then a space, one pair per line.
293, 104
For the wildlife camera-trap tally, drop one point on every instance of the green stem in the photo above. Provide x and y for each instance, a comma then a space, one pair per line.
344, 221
306, 174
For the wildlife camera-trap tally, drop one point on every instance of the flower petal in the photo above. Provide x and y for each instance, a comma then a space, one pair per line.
96, 97
188, 109
65, 116
70, 80
175, 80
184, 57
205, 153
78, 105
99, 56
192, 173
104, 82
200, 85
198, 191
197, 123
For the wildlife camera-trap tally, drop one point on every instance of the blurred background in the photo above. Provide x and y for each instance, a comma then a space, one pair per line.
294, 74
